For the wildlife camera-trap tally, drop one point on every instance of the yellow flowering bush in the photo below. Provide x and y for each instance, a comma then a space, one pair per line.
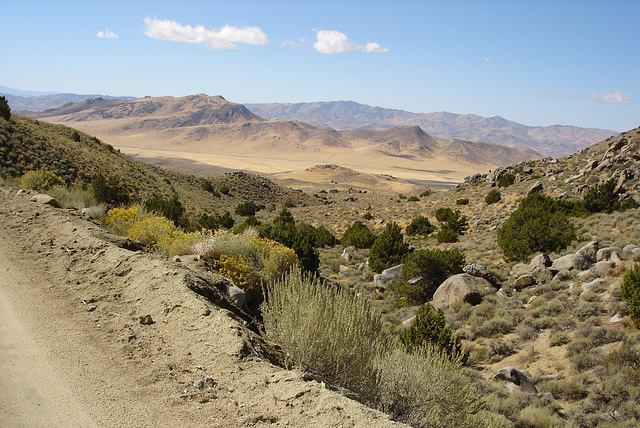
40, 180
119, 220
249, 261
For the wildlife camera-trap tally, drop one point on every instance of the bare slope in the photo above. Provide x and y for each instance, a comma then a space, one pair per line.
549, 140
214, 131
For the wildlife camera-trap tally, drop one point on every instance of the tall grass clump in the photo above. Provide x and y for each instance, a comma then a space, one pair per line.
338, 336
74, 197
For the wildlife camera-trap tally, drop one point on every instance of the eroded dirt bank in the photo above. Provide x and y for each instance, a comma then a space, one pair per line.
74, 351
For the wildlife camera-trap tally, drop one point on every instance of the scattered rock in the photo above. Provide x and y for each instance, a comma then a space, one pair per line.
536, 188
603, 268
23, 192
605, 253
206, 383
562, 275
520, 378
364, 265
146, 320
348, 253
479, 271
237, 295
43, 199
382, 280
616, 318
343, 268
463, 287
524, 281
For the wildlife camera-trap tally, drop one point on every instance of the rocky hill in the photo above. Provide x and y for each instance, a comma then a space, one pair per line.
554, 141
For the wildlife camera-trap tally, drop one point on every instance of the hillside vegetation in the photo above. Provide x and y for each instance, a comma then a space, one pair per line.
545, 337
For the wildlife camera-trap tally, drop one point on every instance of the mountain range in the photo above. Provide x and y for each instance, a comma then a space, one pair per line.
214, 131
553, 141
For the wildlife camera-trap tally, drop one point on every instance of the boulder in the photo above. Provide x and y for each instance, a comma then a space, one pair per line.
589, 251
563, 275
520, 378
536, 188
603, 268
524, 281
382, 280
628, 250
593, 285
470, 289
541, 260
479, 271
521, 269
237, 295
605, 253
364, 265
348, 253
570, 262
44, 199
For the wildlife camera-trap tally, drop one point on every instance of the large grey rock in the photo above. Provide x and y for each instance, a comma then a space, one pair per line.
571, 262
237, 295
348, 253
603, 268
589, 251
521, 269
43, 199
382, 280
520, 378
470, 289
563, 275
605, 253
541, 260
536, 188
524, 281
479, 271
629, 249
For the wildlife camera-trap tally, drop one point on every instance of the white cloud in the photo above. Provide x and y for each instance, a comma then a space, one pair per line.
302, 42
486, 59
556, 96
106, 34
615, 97
334, 42
223, 39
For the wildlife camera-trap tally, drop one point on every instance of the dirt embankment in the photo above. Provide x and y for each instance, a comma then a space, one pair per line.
77, 347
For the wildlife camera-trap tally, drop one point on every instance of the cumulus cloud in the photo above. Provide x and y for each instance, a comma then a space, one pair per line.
106, 34
615, 97
302, 42
334, 42
223, 39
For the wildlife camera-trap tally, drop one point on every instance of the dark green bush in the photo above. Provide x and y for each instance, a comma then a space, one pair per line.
170, 208
425, 270
506, 180
224, 189
413, 199
5, 110
207, 186
208, 221
603, 198
109, 191
226, 220
367, 216
493, 196
430, 327
452, 224
358, 235
631, 293
388, 249
462, 201
249, 208
420, 226
75, 136
539, 224
447, 235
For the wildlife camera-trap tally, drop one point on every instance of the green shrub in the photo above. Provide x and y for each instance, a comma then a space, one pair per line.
425, 193
420, 226
5, 110
425, 270
539, 224
358, 235
388, 249
493, 196
367, 215
224, 189
631, 293
452, 224
603, 198
207, 186
40, 180
246, 209
445, 235
109, 191
75, 136
170, 208
413, 199
462, 201
533, 416
226, 220
208, 221
506, 180
430, 327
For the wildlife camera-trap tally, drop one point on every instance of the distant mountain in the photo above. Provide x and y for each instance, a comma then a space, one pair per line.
554, 141
228, 135
20, 100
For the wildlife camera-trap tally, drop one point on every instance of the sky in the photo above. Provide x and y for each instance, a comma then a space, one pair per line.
539, 63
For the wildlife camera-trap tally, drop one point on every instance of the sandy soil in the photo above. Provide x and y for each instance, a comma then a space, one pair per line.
74, 352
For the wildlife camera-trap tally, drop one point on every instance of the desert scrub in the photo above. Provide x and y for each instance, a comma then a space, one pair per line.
249, 261
353, 351
631, 293
74, 197
40, 180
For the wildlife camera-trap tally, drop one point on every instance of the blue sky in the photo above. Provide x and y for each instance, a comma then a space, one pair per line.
544, 62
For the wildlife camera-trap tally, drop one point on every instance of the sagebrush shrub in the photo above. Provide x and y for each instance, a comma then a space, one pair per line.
40, 180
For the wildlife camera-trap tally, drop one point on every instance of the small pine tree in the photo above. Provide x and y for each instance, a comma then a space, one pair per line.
493, 196
226, 220
430, 327
109, 191
631, 293
5, 110
358, 235
425, 270
388, 249
420, 226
